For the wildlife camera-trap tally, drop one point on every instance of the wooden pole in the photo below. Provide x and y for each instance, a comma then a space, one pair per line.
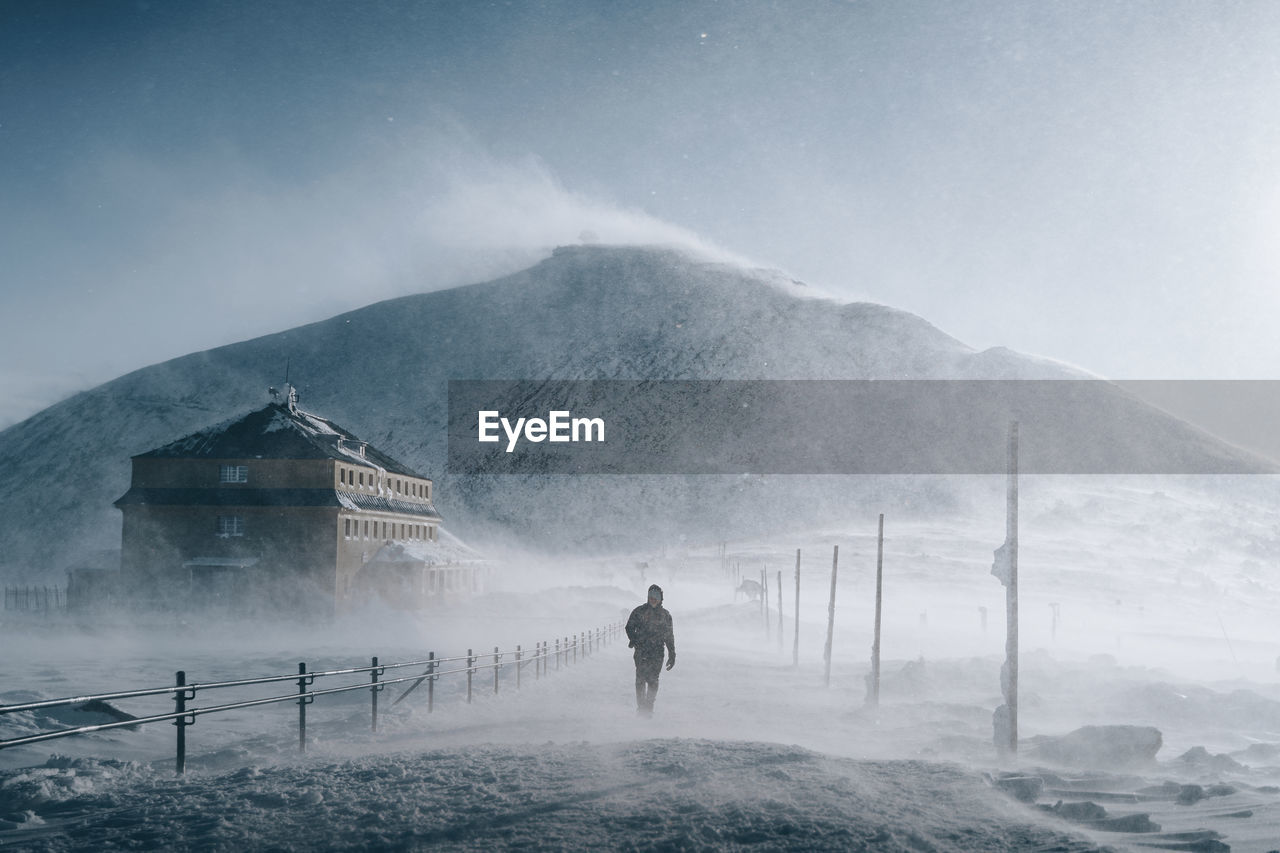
1005, 567
764, 601
1011, 594
831, 618
873, 693
795, 643
779, 610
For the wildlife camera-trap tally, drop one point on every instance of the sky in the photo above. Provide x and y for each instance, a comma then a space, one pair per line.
1089, 181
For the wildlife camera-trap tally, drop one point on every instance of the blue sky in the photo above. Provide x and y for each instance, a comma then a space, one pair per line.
1096, 182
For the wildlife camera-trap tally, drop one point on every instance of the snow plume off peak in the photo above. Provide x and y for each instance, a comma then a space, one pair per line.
219, 249
514, 206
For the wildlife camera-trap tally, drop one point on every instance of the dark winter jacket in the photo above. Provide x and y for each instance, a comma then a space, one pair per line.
649, 629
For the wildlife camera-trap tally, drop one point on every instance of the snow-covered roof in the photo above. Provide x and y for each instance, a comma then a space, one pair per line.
278, 431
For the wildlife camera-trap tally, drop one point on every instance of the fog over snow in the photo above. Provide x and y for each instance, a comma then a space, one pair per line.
1166, 618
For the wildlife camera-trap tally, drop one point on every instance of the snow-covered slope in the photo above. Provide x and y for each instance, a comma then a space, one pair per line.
585, 312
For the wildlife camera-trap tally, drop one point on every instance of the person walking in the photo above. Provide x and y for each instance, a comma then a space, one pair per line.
649, 630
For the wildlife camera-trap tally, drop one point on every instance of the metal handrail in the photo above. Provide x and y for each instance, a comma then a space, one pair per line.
196, 712
184, 716
211, 685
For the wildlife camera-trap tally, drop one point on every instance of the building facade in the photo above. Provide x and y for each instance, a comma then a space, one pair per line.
278, 509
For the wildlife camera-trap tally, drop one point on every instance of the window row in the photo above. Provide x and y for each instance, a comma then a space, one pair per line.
352, 528
356, 478
355, 528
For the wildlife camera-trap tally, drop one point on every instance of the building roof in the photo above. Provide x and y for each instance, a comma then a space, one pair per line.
279, 431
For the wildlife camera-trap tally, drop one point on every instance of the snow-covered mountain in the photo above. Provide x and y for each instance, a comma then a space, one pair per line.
587, 312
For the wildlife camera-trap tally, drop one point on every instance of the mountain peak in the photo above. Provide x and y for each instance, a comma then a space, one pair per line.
585, 312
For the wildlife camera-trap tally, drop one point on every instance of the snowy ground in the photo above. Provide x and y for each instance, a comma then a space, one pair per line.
1167, 600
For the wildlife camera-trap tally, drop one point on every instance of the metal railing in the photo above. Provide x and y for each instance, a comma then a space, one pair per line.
566, 651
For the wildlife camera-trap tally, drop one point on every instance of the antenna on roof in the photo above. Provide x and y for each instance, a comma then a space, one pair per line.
292, 399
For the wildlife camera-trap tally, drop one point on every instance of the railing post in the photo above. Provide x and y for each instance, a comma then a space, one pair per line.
431, 682
557, 654
303, 702
496, 669
375, 689
517, 667
470, 672
180, 707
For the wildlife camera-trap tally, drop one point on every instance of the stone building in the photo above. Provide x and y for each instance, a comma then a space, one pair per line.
279, 509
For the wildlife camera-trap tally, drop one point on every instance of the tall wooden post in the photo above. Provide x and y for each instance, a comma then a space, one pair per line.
764, 601
795, 643
831, 618
1005, 567
873, 689
779, 610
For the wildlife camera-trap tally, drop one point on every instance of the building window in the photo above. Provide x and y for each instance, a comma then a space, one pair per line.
366, 530
342, 476
230, 525
346, 528
361, 479
233, 473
